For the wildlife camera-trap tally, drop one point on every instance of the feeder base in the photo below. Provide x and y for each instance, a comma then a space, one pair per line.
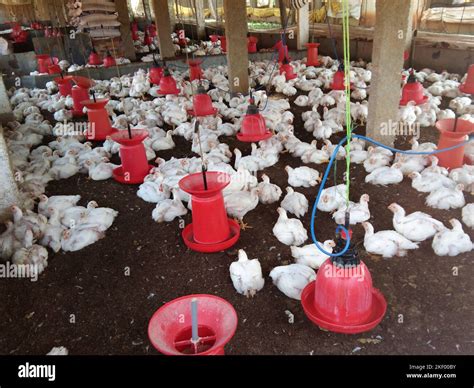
379, 307
419, 102
466, 88
188, 238
119, 176
175, 91
191, 113
254, 138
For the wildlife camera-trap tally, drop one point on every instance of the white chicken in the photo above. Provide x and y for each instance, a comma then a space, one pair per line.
358, 212
289, 231
168, 209
246, 275
446, 198
31, 254
239, 203
385, 175
56, 202
387, 243
465, 176
77, 238
302, 176
295, 203
452, 242
332, 198
268, 192
417, 226
468, 215
427, 182
292, 279
310, 255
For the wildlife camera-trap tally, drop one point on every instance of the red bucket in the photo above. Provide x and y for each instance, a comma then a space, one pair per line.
453, 158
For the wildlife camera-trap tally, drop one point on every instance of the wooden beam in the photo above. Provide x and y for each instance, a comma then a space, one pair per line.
200, 20
121, 7
163, 25
302, 34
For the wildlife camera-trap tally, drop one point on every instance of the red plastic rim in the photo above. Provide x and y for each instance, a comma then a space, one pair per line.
175, 91
379, 307
466, 88
191, 113
446, 126
419, 102
157, 321
187, 235
118, 175
312, 45
254, 138
63, 80
193, 183
97, 104
121, 137
82, 82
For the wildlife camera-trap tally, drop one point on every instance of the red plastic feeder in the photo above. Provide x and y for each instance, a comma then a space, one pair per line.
135, 165
195, 71
79, 93
253, 127
287, 69
170, 327
53, 67
223, 40
468, 85
94, 58
156, 73
252, 44
211, 230
214, 38
167, 84
109, 60
202, 104
135, 36
99, 124
449, 138
152, 30
64, 85
338, 81
282, 51
147, 39
312, 54
342, 298
43, 62
413, 91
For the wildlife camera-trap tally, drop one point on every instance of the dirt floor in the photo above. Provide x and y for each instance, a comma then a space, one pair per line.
86, 301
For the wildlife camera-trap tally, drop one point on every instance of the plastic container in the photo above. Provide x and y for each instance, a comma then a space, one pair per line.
447, 138
167, 84
214, 38
211, 230
202, 104
223, 40
282, 51
468, 85
338, 81
53, 67
64, 85
99, 122
253, 126
413, 91
252, 44
195, 71
287, 69
135, 165
170, 327
312, 54
109, 61
156, 73
79, 94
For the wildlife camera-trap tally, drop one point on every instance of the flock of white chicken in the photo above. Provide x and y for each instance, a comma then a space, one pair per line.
134, 101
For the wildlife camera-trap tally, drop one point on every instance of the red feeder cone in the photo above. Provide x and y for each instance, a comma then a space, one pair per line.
338, 81
468, 85
449, 138
109, 60
253, 127
413, 91
202, 104
342, 298
167, 84
43, 62
223, 40
135, 165
195, 71
94, 58
252, 44
312, 54
287, 69
282, 51
99, 123
79, 93
53, 67
156, 73
170, 327
64, 85
211, 230
214, 38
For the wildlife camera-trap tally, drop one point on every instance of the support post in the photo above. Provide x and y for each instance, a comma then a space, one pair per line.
302, 33
163, 25
200, 19
235, 14
392, 34
126, 35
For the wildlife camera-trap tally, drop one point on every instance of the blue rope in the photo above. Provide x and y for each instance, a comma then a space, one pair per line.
328, 169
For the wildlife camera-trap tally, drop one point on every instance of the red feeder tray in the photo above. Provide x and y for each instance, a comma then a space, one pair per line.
99, 123
340, 301
468, 85
78, 95
167, 84
170, 327
109, 61
53, 67
135, 35
223, 40
287, 69
338, 81
312, 55
282, 51
135, 165
211, 230
64, 85
413, 91
453, 158
43, 62
156, 73
252, 44
253, 127
94, 59
214, 38
202, 104
195, 71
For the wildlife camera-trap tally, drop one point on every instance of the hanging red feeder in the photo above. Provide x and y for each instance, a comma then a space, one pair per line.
413, 91
134, 26
211, 230
342, 298
147, 39
167, 84
287, 69
252, 44
152, 30
79, 93
282, 51
99, 123
135, 165
195, 71
94, 58
214, 38
338, 80
223, 40
54, 68
109, 60
202, 104
170, 327
43, 62
312, 54
452, 133
156, 72
64, 85
135, 36
468, 85
253, 126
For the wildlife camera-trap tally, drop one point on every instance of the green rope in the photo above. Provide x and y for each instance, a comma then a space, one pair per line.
347, 85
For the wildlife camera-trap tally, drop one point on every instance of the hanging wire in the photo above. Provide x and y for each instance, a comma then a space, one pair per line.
347, 85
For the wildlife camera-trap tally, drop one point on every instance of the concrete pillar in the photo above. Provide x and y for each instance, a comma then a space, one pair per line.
200, 19
163, 24
123, 17
392, 31
235, 14
302, 32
